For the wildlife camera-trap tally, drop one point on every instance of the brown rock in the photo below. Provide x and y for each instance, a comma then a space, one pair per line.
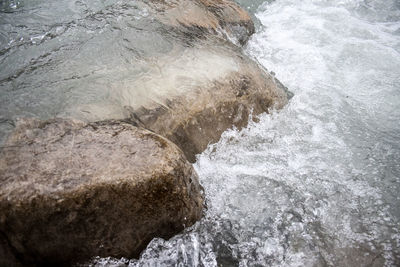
217, 16
199, 93
7, 257
70, 191
199, 116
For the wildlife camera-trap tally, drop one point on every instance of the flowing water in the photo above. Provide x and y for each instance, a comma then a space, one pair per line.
316, 183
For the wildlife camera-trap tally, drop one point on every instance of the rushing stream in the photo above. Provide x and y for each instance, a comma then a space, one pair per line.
314, 184
317, 183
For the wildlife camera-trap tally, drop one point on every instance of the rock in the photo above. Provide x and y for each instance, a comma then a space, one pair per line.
151, 53
222, 17
169, 66
71, 190
196, 89
199, 116
200, 92
7, 257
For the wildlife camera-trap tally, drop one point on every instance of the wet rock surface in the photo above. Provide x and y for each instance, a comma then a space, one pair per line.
222, 17
70, 190
199, 117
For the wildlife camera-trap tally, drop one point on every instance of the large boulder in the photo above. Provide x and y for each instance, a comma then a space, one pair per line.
71, 190
203, 111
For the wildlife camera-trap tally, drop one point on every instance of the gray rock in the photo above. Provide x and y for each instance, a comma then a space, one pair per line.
70, 191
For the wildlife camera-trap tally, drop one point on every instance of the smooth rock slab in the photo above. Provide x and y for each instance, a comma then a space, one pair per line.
70, 191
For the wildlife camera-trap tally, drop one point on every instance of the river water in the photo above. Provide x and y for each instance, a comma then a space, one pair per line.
316, 183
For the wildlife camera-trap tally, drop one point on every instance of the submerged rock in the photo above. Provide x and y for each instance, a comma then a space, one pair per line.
70, 191
198, 116
223, 17
131, 56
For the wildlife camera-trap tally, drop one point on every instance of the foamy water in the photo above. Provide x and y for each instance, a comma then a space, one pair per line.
314, 184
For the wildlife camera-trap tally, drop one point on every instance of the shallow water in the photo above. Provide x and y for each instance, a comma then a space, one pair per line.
314, 184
